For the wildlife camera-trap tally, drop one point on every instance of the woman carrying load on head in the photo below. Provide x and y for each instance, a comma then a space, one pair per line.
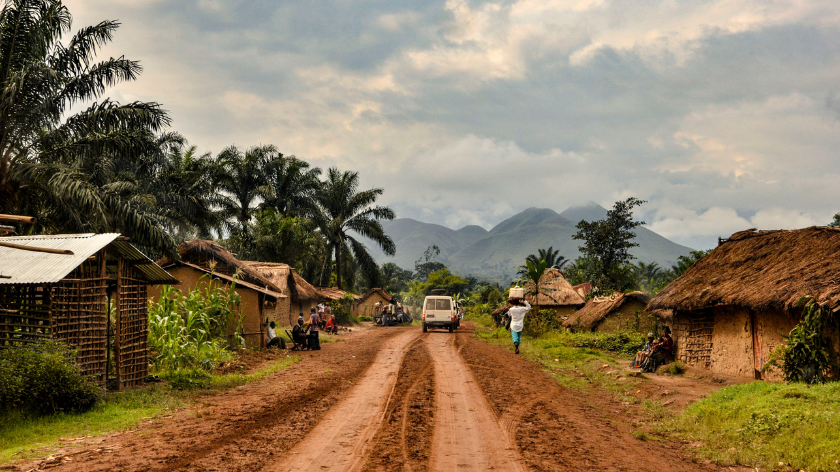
517, 320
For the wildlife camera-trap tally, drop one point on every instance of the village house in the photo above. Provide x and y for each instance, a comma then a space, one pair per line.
61, 287
614, 313
555, 293
365, 305
301, 296
730, 309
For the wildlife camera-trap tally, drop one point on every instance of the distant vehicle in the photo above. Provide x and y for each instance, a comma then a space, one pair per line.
440, 311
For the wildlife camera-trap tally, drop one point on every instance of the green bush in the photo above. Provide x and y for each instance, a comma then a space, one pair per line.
538, 322
43, 379
188, 379
808, 356
621, 342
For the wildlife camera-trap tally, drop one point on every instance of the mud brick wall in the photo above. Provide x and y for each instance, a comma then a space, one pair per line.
692, 333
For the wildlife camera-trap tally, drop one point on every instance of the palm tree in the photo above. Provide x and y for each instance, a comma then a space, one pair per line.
647, 274
342, 210
293, 186
50, 161
552, 258
242, 179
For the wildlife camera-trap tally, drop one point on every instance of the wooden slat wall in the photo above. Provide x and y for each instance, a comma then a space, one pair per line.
24, 314
133, 330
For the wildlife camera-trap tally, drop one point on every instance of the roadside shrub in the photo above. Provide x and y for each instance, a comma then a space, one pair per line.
621, 342
341, 309
188, 379
675, 368
538, 322
808, 356
43, 379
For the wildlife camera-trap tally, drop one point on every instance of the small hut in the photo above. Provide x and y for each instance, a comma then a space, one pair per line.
62, 286
730, 309
555, 294
364, 306
617, 312
284, 278
334, 293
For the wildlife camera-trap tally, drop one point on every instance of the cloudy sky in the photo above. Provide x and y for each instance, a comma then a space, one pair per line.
723, 114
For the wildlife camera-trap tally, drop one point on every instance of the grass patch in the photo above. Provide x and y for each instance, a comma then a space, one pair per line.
23, 437
762, 424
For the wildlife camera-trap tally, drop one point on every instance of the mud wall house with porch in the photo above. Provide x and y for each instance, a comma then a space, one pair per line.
300, 295
365, 305
61, 287
614, 313
256, 302
730, 309
555, 293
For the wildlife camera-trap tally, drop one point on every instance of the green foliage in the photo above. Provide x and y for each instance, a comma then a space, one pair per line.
395, 279
836, 221
809, 355
551, 256
538, 322
364, 318
190, 331
188, 379
684, 262
443, 279
341, 309
425, 266
606, 246
43, 379
621, 342
762, 424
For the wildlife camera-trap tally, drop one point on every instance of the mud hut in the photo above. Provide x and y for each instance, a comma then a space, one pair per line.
364, 306
730, 309
284, 278
61, 287
617, 312
260, 298
555, 294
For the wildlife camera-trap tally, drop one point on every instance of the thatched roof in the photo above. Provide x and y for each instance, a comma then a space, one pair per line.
285, 279
760, 270
501, 309
334, 293
598, 308
555, 291
370, 292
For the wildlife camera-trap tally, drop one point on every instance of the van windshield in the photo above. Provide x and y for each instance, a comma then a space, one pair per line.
442, 304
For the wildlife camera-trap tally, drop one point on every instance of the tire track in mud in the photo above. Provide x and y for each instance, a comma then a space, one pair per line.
404, 439
468, 435
343, 438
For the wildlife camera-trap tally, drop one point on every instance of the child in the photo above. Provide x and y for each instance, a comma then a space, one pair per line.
517, 320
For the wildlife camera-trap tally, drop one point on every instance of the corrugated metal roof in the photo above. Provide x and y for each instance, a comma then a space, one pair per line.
19, 266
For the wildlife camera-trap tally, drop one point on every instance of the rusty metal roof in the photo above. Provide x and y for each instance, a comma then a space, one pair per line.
19, 266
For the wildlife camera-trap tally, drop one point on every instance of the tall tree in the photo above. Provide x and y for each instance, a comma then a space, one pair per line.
243, 180
293, 186
342, 210
607, 244
50, 159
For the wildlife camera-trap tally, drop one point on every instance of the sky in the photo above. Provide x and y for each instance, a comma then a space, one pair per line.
723, 114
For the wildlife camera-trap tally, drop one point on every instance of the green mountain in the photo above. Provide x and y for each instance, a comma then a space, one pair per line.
495, 254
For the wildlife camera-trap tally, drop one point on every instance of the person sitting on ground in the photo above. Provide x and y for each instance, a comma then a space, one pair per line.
299, 333
273, 339
517, 320
643, 354
314, 327
332, 326
661, 351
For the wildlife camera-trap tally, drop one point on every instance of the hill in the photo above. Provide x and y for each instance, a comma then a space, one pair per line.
495, 254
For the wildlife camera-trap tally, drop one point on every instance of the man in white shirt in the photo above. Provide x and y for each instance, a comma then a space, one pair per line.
273, 339
517, 320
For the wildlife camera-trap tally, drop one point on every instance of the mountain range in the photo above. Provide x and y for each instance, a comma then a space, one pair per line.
495, 254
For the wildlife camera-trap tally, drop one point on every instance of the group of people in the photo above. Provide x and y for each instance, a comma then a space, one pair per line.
654, 353
306, 333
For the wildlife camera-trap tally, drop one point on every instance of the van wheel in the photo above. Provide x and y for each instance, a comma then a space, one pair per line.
425, 329
451, 328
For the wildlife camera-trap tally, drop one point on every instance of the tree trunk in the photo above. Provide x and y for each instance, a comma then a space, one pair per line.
338, 265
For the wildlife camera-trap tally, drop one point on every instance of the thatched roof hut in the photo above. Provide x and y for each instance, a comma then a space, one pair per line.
364, 305
619, 311
555, 293
334, 293
731, 307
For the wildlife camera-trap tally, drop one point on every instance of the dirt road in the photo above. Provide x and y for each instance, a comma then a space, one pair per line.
388, 399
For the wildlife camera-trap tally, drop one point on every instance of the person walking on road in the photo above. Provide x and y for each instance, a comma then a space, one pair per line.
517, 320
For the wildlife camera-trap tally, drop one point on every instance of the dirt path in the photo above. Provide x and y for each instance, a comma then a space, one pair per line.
467, 434
342, 438
387, 399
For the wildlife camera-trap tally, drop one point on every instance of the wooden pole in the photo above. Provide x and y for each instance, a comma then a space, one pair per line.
18, 219
64, 252
118, 305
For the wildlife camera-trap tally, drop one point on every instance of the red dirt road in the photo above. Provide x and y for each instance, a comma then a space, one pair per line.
388, 399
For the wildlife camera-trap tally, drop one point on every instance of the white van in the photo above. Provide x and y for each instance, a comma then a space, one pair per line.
440, 311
